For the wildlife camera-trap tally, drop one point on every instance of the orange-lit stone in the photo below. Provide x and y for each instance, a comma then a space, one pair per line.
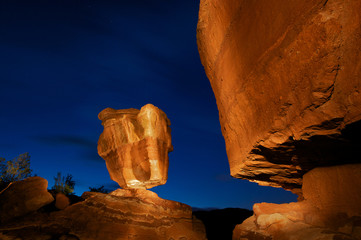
334, 189
286, 77
331, 209
135, 145
124, 214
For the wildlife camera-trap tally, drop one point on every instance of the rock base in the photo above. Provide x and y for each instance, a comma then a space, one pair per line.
123, 214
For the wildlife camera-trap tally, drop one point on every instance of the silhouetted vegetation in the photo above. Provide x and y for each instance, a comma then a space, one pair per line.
99, 189
14, 170
63, 184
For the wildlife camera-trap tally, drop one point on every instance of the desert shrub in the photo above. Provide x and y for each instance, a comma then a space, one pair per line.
99, 189
14, 170
63, 184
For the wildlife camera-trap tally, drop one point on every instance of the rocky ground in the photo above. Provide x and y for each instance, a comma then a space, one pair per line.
121, 214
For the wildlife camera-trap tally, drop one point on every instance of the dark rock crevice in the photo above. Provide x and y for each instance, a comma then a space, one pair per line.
301, 156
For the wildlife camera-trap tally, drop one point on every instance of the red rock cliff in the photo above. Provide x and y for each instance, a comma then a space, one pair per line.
287, 79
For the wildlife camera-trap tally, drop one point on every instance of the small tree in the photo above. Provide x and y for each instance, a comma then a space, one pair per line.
15, 169
64, 184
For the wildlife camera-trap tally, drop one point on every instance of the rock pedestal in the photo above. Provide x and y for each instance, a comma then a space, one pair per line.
123, 214
131, 214
135, 145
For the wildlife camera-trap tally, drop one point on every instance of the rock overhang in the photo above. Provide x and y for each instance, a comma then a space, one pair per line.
286, 77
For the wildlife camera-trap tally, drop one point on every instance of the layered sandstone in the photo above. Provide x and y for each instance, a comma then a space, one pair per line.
132, 214
135, 145
331, 209
286, 77
23, 197
124, 214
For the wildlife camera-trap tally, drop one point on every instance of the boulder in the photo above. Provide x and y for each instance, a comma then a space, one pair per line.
23, 197
135, 145
61, 201
286, 77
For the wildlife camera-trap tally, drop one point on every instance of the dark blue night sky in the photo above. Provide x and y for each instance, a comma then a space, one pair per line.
62, 62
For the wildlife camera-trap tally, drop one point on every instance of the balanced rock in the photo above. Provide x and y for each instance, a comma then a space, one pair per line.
286, 77
23, 197
135, 145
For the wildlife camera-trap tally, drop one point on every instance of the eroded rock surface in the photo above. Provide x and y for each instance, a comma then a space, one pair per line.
23, 197
121, 215
331, 209
135, 145
286, 77
334, 189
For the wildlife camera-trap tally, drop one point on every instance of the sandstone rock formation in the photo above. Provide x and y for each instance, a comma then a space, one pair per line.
135, 145
331, 209
121, 215
286, 77
134, 214
23, 197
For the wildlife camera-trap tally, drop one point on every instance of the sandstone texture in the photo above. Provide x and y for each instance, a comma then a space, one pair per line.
335, 189
135, 145
287, 79
121, 215
23, 197
331, 209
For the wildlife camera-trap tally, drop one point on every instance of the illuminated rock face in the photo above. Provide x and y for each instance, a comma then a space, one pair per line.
135, 145
331, 209
131, 214
286, 77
